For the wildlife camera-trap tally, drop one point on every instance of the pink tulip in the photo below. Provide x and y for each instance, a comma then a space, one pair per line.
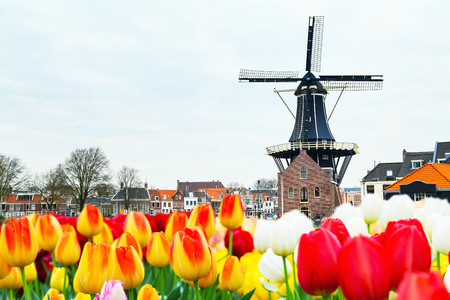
112, 290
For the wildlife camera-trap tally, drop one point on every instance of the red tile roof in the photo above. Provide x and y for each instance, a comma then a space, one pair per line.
429, 173
13, 198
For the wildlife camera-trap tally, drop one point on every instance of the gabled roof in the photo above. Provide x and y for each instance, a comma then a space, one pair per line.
428, 173
168, 193
426, 157
195, 186
379, 173
153, 194
263, 195
441, 149
133, 193
14, 198
216, 193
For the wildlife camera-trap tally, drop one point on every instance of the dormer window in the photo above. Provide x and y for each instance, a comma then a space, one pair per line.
389, 173
416, 164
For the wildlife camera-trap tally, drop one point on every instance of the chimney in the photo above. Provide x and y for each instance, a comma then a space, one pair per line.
146, 185
404, 154
178, 184
121, 185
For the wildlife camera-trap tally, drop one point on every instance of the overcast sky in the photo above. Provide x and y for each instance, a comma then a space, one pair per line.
155, 83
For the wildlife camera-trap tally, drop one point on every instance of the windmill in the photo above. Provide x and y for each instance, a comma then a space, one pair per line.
311, 130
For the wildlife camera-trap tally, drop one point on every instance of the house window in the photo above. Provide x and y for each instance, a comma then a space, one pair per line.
305, 211
303, 174
3, 206
33, 207
169, 204
324, 156
304, 195
416, 164
164, 204
17, 206
187, 202
370, 189
356, 199
195, 203
146, 208
157, 205
44, 206
27, 207
291, 193
317, 192
156, 198
385, 186
389, 173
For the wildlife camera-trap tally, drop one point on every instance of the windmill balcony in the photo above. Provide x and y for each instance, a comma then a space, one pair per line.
318, 145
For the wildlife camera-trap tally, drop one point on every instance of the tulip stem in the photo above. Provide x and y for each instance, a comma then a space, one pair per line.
368, 228
293, 269
286, 277
230, 244
89, 239
25, 286
132, 294
10, 294
326, 297
161, 282
438, 261
64, 285
197, 292
53, 259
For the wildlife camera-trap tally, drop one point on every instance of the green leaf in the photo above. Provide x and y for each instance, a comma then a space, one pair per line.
174, 295
248, 295
187, 289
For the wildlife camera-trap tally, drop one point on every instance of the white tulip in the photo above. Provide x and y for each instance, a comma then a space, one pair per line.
357, 226
346, 211
271, 266
431, 222
283, 239
419, 215
371, 207
300, 223
441, 235
261, 236
397, 208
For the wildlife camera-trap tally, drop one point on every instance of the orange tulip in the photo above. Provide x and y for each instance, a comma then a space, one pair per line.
12, 281
68, 228
176, 222
53, 294
5, 269
48, 232
203, 216
158, 250
127, 239
97, 264
105, 236
189, 254
147, 292
129, 267
18, 242
231, 211
90, 221
211, 277
137, 224
68, 249
232, 276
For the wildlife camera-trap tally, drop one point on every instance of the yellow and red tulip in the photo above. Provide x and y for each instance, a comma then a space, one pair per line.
48, 232
176, 222
97, 265
5, 269
137, 224
34, 218
18, 242
203, 216
68, 249
147, 292
105, 236
68, 228
13, 280
127, 239
158, 250
57, 279
129, 268
53, 294
82, 296
90, 221
232, 276
189, 254
211, 277
231, 211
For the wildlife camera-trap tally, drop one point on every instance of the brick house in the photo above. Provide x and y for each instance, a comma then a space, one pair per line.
22, 203
307, 187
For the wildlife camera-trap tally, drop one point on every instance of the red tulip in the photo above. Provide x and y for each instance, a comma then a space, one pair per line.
127, 239
242, 242
363, 269
317, 262
407, 249
231, 211
337, 227
394, 225
422, 285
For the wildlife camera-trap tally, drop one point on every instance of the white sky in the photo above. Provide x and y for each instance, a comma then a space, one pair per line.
155, 83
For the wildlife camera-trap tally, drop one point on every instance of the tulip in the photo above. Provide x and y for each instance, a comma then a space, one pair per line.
300, 223
33, 218
68, 249
317, 262
271, 267
189, 254
57, 279
82, 296
53, 294
357, 226
5, 269
112, 290
282, 239
231, 211
136, 224
232, 276
371, 207
48, 232
13, 281
177, 222
105, 236
397, 208
346, 211
158, 250
441, 235
147, 292
68, 228
337, 227
431, 222
422, 285
435, 205
203, 216
211, 277
129, 267
242, 242
363, 269
90, 221
97, 264
30, 272
18, 242
413, 255
127, 239
262, 234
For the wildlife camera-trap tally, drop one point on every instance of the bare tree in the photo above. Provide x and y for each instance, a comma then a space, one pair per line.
266, 184
128, 180
13, 174
235, 185
51, 186
84, 171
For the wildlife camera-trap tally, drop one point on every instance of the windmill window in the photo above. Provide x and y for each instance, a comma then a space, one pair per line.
303, 174
291, 193
305, 211
317, 192
304, 195
325, 157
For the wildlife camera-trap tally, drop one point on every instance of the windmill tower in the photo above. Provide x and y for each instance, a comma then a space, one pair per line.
311, 131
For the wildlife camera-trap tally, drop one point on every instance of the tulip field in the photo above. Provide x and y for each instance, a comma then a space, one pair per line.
396, 249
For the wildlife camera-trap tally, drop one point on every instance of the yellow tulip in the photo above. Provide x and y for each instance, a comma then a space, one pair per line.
203, 216
57, 279
176, 222
231, 211
127, 239
105, 236
211, 277
137, 224
30, 272
147, 292
129, 267
48, 232
232, 276
5, 269
12, 281
158, 250
82, 296
68, 249
90, 221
